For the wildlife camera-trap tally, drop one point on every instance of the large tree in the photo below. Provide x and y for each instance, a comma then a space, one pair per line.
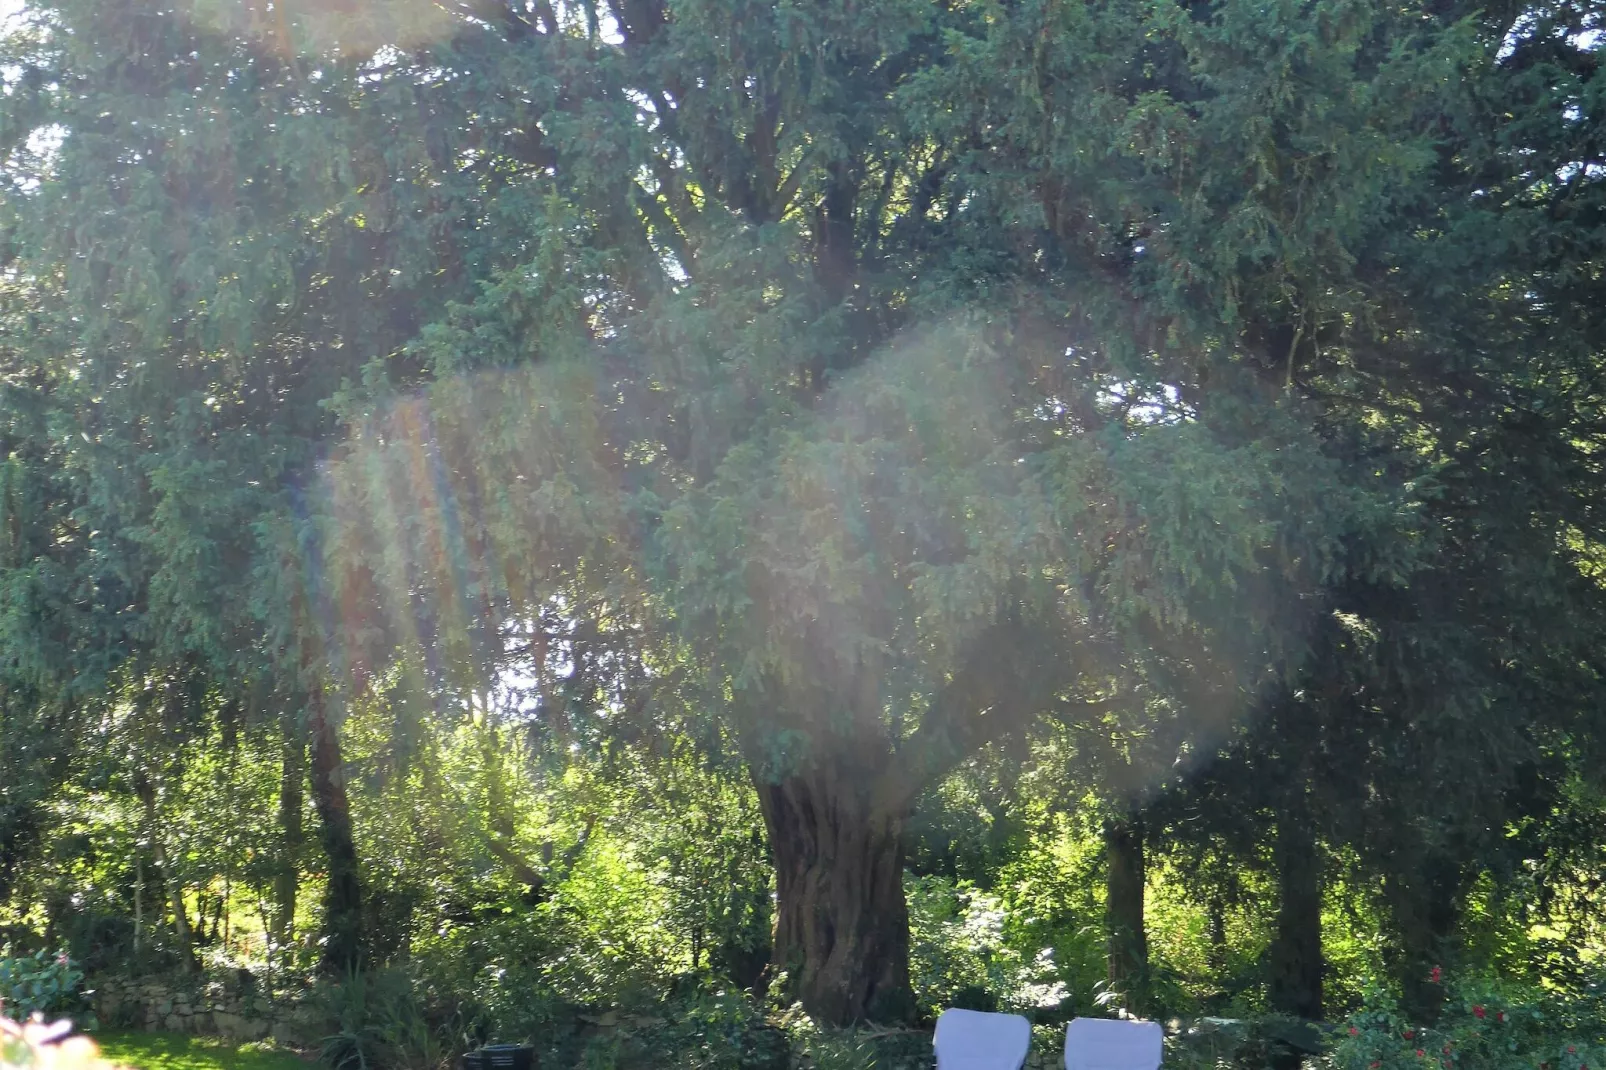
852, 384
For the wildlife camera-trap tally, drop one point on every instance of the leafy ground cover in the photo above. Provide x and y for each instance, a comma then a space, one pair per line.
172, 1051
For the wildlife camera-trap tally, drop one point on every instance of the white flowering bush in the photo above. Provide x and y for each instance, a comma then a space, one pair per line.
960, 954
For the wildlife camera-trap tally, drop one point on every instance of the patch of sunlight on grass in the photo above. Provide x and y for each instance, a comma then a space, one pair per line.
174, 1051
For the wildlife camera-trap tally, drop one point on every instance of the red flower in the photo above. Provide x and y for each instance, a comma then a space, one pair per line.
1354, 1032
1420, 1053
1571, 1050
1477, 1012
1435, 975
1408, 1034
1500, 1017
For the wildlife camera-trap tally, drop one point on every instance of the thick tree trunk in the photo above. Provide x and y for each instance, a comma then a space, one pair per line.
1127, 942
1294, 961
292, 781
342, 907
1425, 905
841, 924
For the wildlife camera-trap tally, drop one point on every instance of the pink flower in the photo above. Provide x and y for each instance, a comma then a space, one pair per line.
1477, 1012
1354, 1032
1436, 975
1420, 1053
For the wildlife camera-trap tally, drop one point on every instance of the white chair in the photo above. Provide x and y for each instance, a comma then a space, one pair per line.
976, 1040
1108, 1044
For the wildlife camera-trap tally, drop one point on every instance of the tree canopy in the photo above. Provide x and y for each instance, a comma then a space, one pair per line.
837, 391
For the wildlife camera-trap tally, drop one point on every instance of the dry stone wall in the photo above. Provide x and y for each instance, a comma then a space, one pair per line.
235, 1009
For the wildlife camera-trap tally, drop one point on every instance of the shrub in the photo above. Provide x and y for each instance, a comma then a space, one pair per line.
816, 1048
380, 1025
40, 983
960, 954
1480, 1027
708, 1028
1264, 1041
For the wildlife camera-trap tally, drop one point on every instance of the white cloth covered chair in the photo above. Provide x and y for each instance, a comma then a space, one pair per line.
1109, 1044
976, 1040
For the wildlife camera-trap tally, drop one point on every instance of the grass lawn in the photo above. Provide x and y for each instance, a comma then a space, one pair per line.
174, 1051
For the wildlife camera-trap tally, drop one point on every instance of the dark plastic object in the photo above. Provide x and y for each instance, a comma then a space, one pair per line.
500, 1057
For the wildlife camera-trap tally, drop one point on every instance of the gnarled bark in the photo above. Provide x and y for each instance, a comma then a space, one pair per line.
837, 822
841, 925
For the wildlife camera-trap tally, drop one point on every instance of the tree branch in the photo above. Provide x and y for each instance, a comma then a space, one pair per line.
1012, 676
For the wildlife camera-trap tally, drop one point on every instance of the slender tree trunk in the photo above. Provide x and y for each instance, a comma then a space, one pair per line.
175, 892
292, 781
1127, 946
1217, 911
342, 908
1294, 961
139, 897
171, 888
12, 841
841, 925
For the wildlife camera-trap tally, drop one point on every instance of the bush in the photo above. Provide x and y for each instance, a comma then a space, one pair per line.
40, 983
1264, 1042
960, 955
381, 1025
706, 1029
816, 1048
1480, 1027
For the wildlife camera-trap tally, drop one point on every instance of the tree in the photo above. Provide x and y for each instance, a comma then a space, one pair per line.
850, 386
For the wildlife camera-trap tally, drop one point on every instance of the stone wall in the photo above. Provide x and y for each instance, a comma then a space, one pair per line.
236, 1008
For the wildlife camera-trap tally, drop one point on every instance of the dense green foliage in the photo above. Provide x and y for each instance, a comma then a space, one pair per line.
1482, 1027
533, 509
40, 984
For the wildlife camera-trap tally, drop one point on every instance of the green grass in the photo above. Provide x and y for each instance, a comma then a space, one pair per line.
174, 1051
